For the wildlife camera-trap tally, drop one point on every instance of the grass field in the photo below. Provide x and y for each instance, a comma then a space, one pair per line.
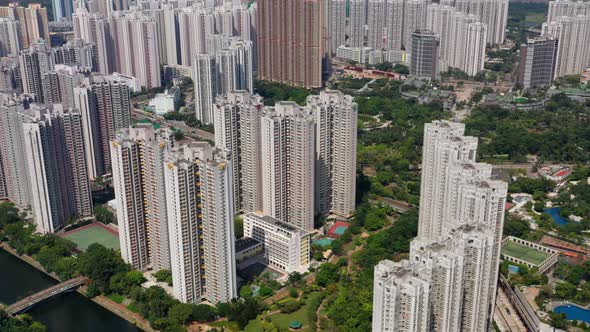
93, 234
524, 253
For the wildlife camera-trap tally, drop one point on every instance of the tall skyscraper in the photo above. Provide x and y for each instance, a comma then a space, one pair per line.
138, 178
457, 252
335, 117
199, 198
288, 163
224, 70
424, 54
33, 22
34, 63
292, 56
60, 189
10, 75
538, 62
9, 37
237, 129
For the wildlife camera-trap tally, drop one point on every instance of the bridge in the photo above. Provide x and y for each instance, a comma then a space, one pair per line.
29, 301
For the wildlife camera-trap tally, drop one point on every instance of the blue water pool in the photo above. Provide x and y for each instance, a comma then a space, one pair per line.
555, 214
573, 312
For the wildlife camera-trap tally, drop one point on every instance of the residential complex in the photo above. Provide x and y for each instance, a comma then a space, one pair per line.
32, 20
292, 56
449, 281
569, 23
138, 178
237, 128
199, 200
288, 162
286, 247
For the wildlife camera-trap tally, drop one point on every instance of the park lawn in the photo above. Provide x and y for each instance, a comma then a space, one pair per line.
231, 326
116, 298
254, 325
133, 307
282, 320
96, 234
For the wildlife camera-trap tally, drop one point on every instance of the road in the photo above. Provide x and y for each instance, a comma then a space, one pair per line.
188, 131
506, 315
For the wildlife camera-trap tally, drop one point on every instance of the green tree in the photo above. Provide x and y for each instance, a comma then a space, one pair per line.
100, 264
327, 273
180, 313
203, 313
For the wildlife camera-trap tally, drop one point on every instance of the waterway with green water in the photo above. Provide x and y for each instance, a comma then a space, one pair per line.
67, 312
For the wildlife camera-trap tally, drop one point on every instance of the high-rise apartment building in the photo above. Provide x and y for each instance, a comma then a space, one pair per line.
538, 62
62, 10
569, 8
60, 189
94, 29
12, 149
288, 163
493, 13
225, 70
400, 300
414, 19
59, 83
10, 74
33, 22
34, 63
424, 62
138, 178
462, 38
199, 198
376, 23
77, 52
335, 116
237, 129
457, 251
357, 19
292, 56
337, 24
573, 34
137, 48
9, 37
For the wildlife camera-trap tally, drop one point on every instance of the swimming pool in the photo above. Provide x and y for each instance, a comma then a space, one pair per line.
323, 242
573, 312
555, 214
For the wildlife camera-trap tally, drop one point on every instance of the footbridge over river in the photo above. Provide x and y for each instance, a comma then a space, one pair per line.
29, 301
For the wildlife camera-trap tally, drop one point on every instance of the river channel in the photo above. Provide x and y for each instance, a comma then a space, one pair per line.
68, 312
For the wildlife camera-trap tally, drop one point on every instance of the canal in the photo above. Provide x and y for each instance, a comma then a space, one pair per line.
68, 312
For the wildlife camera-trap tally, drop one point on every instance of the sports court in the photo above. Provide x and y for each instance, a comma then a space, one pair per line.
93, 233
338, 229
524, 253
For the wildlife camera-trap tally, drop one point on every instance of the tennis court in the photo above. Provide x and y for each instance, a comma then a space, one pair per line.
93, 233
524, 253
338, 229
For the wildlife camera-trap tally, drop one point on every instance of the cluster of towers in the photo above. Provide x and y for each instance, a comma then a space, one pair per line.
448, 282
